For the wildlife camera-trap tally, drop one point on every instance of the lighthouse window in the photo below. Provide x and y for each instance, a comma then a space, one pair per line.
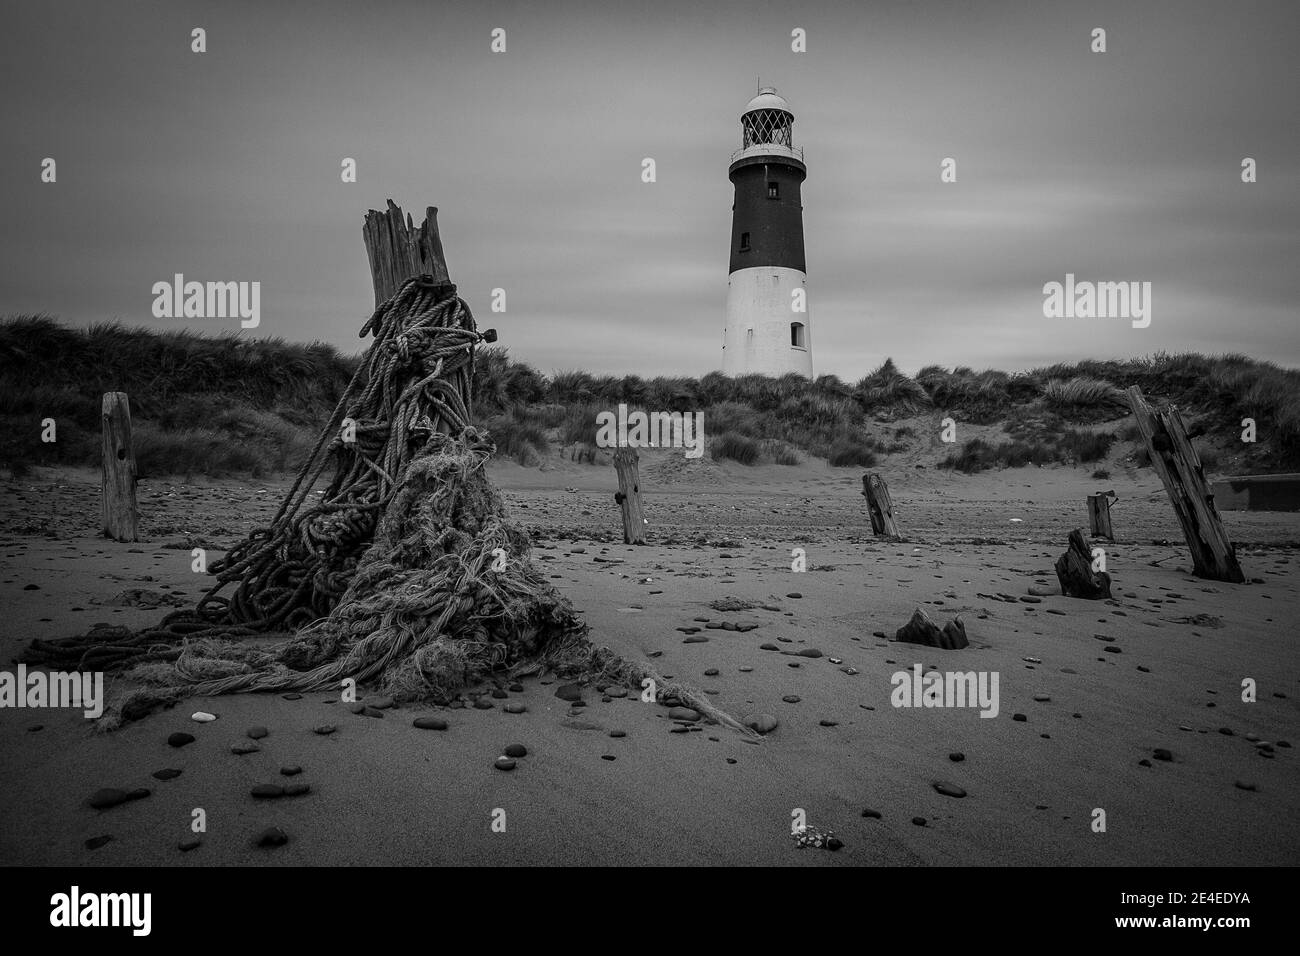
744, 242
796, 335
773, 190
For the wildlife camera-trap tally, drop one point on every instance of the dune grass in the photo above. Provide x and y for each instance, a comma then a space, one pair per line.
231, 405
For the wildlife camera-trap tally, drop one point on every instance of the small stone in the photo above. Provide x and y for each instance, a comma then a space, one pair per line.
180, 739
810, 652
569, 692
956, 756
167, 773
256, 733
1041, 698
827, 723
111, 797
1246, 785
357, 707
794, 594
515, 750
684, 713
762, 723
616, 692
186, 845
267, 791
380, 703
94, 843
918, 821
241, 748
712, 672
429, 723
792, 698
297, 789
514, 707
871, 814
271, 837
1160, 753
482, 703
291, 696
505, 763
324, 730
1020, 717
291, 771
202, 717
948, 789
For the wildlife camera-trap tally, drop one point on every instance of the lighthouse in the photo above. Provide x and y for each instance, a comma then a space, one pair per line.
768, 329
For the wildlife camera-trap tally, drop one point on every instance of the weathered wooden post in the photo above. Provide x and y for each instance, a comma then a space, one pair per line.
397, 250
629, 495
1099, 515
879, 506
1179, 467
120, 513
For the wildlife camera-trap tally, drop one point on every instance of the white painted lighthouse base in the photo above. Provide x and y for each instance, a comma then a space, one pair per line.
758, 337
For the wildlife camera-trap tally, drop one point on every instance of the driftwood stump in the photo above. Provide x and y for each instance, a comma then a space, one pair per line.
398, 250
879, 506
1099, 515
1074, 571
629, 495
121, 516
921, 630
1179, 467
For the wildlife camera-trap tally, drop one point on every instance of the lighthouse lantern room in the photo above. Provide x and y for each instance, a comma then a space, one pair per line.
767, 329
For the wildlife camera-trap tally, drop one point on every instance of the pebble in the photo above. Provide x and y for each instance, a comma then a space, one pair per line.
505, 763
1160, 753
1020, 717
297, 789
581, 725
919, 821
267, 791
111, 797
684, 713
480, 703
828, 723
956, 756
429, 723
202, 717
515, 750
256, 733
514, 707
618, 733
186, 845
1041, 698
167, 773
325, 729
180, 739
619, 692
712, 672
286, 697
948, 789
810, 652
794, 594
871, 814
94, 843
569, 692
271, 836
762, 723
1246, 785
241, 748
291, 771
792, 698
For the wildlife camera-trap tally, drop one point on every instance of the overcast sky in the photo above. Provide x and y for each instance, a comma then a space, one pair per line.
226, 166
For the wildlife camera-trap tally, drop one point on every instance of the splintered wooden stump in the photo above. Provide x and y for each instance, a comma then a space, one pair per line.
1074, 571
879, 506
398, 250
629, 495
1179, 467
921, 630
1099, 515
121, 516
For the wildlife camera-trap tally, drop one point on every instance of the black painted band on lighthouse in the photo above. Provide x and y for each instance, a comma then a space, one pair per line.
774, 226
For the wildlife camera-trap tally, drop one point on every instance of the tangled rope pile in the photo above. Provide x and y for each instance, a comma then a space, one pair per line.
405, 574
413, 383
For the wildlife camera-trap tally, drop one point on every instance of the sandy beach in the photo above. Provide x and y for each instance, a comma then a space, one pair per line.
1089, 691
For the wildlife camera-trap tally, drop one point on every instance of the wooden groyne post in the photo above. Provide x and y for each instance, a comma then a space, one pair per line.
1175, 460
1099, 515
398, 250
629, 495
879, 505
120, 512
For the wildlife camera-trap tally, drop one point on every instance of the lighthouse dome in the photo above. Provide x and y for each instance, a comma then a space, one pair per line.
768, 99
